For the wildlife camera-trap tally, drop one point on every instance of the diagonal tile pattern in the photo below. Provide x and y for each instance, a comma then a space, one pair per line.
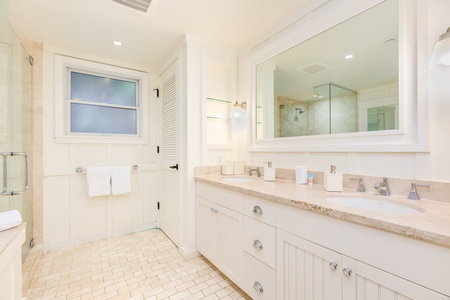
144, 265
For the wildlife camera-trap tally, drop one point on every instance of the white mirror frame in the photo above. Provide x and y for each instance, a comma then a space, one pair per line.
412, 135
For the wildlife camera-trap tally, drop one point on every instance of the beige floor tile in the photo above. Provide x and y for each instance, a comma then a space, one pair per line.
144, 265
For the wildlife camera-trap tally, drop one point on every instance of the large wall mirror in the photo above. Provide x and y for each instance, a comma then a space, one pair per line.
342, 80
350, 80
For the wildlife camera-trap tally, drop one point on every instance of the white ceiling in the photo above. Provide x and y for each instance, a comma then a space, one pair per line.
90, 26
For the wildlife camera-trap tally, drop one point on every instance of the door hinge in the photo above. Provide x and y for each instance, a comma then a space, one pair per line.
157, 149
158, 205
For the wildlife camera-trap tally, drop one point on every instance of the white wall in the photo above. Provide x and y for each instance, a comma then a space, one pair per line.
432, 165
70, 216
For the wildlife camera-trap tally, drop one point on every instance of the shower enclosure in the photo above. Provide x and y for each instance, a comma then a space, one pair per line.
15, 126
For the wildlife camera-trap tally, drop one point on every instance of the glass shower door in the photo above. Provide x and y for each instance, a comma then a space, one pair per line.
16, 131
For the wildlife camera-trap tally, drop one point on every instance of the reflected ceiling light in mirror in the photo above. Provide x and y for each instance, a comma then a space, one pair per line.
238, 110
117, 43
441, 54
349, 56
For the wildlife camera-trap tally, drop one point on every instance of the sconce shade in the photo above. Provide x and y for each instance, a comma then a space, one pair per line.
238, 109
440, 58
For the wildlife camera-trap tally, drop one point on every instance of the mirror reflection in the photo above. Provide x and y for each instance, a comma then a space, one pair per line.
343, 80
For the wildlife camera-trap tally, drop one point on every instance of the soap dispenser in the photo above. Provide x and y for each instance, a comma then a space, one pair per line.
269, 172
333, 182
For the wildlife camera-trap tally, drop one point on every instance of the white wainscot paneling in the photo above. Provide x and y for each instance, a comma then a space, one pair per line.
397, 165
88, 213
123, 207
124, 154
86, 155
56, 155
56, 209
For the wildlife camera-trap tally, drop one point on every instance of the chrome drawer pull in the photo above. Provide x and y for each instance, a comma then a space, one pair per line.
347, 272
257, 244
257, 210
214, 210
333, 265
257, 286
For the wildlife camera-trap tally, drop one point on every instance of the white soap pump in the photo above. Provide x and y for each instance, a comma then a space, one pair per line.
269, 172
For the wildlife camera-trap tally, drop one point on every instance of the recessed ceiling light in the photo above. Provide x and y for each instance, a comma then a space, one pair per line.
349, 56
117, 43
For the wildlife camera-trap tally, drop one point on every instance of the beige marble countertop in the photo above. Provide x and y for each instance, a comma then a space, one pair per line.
7, 236
431, 225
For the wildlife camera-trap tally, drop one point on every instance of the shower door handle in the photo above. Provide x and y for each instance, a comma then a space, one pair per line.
5, 191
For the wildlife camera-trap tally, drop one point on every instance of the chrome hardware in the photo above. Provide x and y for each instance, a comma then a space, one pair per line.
214, 210
257, 244
250, 170
82, 170
360, 187
257, 286
333, 265
383, 187
5, 191
257, 210
413, 195
347, 272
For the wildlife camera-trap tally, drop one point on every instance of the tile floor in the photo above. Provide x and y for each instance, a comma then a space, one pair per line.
144, 265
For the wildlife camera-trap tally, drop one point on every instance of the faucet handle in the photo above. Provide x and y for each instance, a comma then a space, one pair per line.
360, 187
413, 195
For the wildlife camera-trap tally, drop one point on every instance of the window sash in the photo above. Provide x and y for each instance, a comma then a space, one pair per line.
106, 107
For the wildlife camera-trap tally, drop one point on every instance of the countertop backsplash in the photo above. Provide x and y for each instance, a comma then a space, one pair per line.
439, 191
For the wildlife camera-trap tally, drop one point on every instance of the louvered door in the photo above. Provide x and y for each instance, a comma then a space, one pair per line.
169, 204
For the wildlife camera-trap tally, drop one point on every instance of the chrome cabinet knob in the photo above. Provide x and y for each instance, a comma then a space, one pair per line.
333, 265
257, 244
257, 286
214, 210
257, 210
347, 272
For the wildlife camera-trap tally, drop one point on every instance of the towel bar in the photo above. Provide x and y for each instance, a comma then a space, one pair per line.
81, 170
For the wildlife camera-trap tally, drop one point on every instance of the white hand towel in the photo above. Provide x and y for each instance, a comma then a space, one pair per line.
10, 219
99, 181
121, 180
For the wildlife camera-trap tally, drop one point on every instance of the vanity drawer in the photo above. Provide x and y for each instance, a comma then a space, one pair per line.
227, 198
259, 281
260, 241
260, 209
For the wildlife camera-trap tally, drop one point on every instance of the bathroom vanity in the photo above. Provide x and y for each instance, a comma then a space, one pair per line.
11, 241
280, 240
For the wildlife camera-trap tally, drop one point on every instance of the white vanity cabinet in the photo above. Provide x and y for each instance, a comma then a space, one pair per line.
320, 257
307, 271
220, 229
277, 251
259, 280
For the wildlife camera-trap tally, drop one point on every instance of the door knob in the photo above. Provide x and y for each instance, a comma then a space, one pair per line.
174, 167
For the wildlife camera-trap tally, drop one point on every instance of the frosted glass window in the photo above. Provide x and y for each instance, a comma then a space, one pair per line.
102, 119
102, 104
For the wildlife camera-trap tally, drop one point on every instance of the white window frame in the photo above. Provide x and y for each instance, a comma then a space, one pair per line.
63, 66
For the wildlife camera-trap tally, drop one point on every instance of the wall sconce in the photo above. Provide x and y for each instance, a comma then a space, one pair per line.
440, 58
238, 110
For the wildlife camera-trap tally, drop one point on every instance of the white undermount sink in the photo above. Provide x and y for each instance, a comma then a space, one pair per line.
374, 205
239, 179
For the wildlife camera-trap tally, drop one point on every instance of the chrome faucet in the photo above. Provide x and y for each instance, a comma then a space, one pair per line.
360, 187
413, 195
250, 170
383, 187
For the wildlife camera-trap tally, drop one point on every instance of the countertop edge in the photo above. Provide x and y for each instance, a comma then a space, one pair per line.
342, 214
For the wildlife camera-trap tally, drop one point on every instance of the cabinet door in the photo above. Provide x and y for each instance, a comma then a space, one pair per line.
307, 271
366, 282
207, 229
230, 234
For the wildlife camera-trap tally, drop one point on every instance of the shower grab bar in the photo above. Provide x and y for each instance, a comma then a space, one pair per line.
5, 191
82, 170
